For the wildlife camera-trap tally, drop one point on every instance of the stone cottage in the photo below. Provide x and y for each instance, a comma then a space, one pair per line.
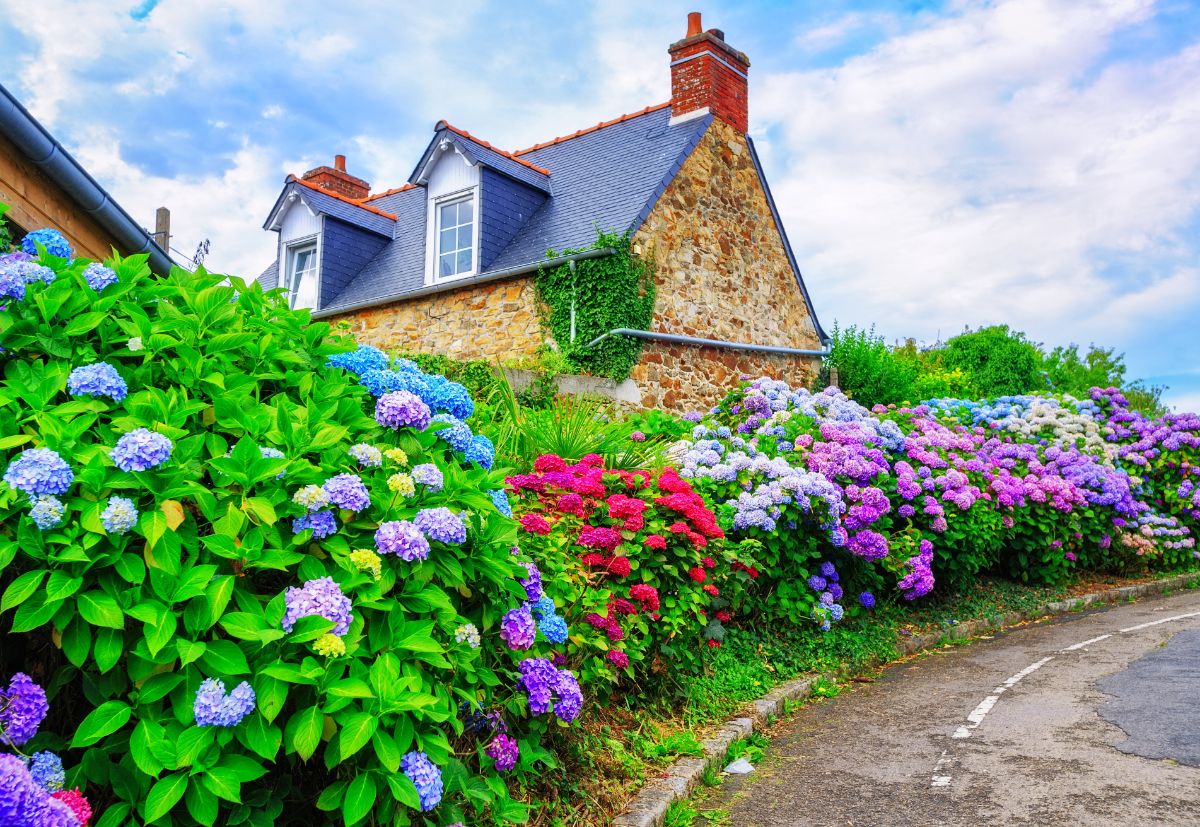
446, 262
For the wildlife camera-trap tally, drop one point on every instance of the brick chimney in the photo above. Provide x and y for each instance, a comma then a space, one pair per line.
708, 75
335, 179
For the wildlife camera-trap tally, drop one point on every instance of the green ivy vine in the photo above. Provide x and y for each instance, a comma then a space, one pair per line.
609, 292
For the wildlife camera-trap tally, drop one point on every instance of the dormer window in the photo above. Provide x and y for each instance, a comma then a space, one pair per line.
456, 236
302, 275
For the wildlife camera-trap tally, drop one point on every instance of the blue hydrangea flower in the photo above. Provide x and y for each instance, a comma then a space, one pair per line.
347, 491
119, 516
322, 596
213, 707
836, 612
141, 449
500, 500
426, 777
98, 276
12, 284
428, 475
97, 379
817, 583
359, 361
553, 628
46, 768
54, 242
457, 436
47, 511
32, 272
481, 451
443, 395
441, 524
368, 456
39, 471
322, 523
828, 571
403, 539
544, 607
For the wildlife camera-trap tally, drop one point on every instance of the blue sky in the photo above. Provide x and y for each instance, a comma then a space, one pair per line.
938, 164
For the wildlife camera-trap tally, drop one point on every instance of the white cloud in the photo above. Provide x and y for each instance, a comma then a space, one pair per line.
983, 169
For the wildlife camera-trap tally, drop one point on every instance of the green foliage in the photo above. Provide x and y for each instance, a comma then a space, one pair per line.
867, 369
999, 361
607, 292
5, 234
196, 589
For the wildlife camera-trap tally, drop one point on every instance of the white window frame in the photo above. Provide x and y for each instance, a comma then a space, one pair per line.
291, 250
433, 236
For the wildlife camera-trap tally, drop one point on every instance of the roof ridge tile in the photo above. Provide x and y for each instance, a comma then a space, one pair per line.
590, 129
352, 201
511, 156
392, 191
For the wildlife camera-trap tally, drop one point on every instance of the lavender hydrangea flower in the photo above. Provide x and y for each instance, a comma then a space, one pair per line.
532, 583
119, 515
400, 409
402, 538
140, 450
39, 471
213, 707
426, 777
98, 276
23, 803
32, 272
817, 583
517, 628
322, 597
322, 523
468, 634
12, 284
47, 511
428, 475
368, 456
347, 491
98, 379
23, 707
52, 240
504, 751
442, 525
46, 769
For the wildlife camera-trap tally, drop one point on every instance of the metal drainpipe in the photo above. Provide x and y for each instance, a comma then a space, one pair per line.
693, 340
571, 264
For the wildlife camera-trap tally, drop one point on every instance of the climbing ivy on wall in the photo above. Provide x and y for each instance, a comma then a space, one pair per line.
608, 292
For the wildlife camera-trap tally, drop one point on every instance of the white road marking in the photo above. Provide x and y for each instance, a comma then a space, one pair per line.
941, 778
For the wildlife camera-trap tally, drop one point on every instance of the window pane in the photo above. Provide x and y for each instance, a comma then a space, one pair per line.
449, 213
464, 238
448, 240
464, 260
446, 267
465, 211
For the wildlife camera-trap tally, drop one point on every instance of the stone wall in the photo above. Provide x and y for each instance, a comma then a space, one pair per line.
682, 378
495, 321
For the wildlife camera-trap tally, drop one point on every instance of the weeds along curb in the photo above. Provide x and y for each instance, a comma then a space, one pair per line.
649, 807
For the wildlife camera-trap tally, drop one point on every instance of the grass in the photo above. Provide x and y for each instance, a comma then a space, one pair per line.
616, 749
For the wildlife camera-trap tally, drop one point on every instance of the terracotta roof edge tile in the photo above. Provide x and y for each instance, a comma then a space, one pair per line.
511, 156
293, 179
392, 191
588, 130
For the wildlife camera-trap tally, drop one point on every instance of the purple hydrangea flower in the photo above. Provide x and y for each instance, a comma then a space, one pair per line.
98, 379
12, 283
504, 751
213, 707
347, 491
39, 471
403, 539
517, 628
23, 707
55, 243
828, 571
426, 777
119, 515
400, 409
98, 276
141, 449
23, 803
570, 696
533, 583
441, 524
322, 523
322, 597
428, 475
817, 583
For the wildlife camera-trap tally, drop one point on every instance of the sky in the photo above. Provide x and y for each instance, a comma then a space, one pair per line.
938, 165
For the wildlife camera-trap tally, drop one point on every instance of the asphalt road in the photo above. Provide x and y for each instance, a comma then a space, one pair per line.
1092, 719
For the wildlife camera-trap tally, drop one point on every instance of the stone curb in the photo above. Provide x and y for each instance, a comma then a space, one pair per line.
649, 807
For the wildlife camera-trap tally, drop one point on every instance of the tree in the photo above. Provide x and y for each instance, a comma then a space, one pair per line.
997, 361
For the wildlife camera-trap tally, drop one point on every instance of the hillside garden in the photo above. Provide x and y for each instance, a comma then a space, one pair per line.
252, 572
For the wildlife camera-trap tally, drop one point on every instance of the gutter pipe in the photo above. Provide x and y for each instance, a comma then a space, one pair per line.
52, 158
693, 340
485, 278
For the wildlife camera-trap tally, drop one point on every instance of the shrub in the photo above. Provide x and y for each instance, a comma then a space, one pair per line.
252, 597
997, 361
867, 369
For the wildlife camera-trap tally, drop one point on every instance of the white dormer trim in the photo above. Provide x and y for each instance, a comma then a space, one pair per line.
275, 220
445, 145
451, 175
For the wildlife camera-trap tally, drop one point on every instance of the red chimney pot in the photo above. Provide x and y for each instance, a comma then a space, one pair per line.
339, 163
694, 25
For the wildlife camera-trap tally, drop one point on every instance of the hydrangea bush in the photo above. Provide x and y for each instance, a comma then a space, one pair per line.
271, 570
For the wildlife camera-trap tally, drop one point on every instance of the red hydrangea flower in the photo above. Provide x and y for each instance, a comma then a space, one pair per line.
619, 566
599, 537
677, 528
621, 507
590, 483
571, 504
535, 524
634, 524
645, 594
715, 644
549, 462
622, 606
591, 461
593, 559
711, 589
724, 616
656, 541
670, 482
78, 804
709, 563
698, 574
595, 620
618, 658
614, 631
